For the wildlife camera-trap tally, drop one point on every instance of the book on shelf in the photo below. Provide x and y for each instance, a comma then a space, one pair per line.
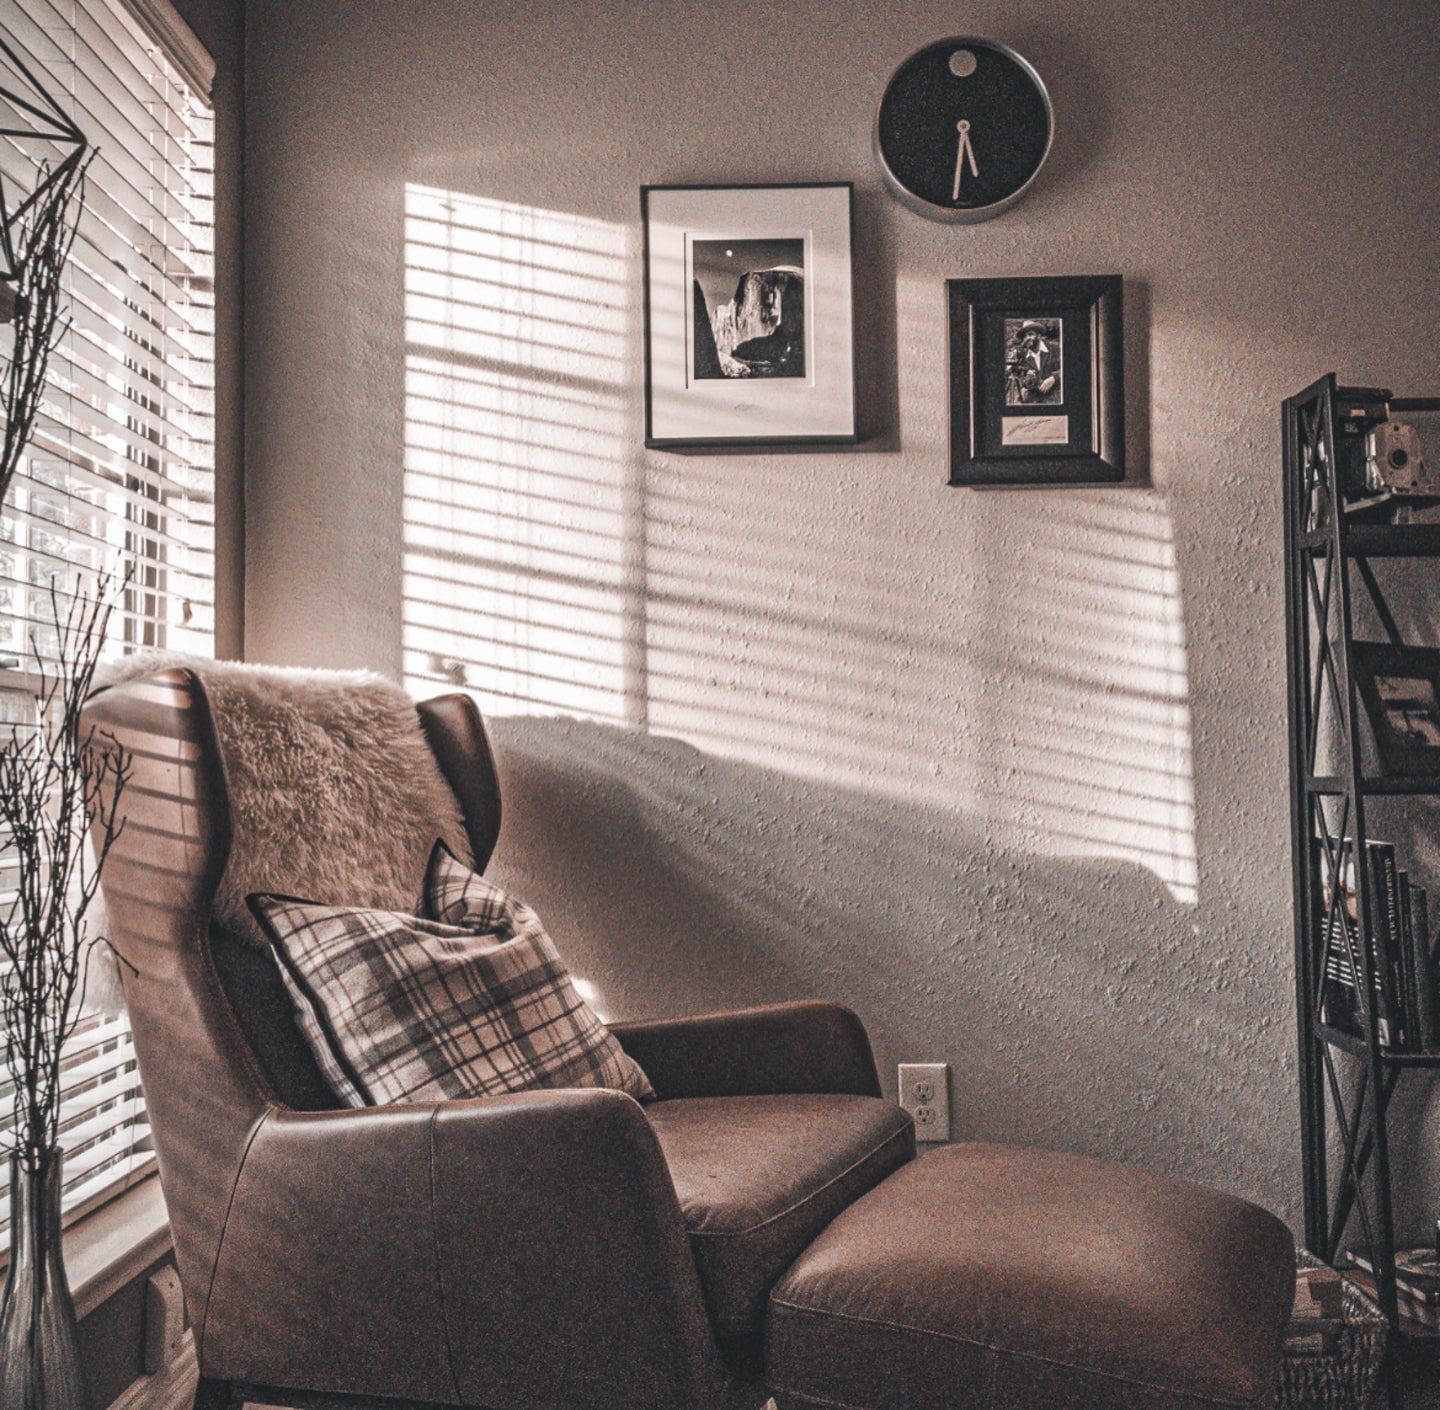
1343, 964
1385, 940
1427, 980
1340, 956
1404, 968
1417, 1273
1409, 975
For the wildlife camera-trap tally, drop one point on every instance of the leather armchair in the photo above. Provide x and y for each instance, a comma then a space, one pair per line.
556, 1249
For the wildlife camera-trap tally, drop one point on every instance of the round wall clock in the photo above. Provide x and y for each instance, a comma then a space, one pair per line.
963, 128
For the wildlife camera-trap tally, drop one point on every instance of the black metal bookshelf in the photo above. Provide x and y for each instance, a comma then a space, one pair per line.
1347, 1080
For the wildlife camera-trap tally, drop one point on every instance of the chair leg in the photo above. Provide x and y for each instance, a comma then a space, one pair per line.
211, 1394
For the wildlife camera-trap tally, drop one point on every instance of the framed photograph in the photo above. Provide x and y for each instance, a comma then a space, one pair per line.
1400, 687
1037, 392
749, 316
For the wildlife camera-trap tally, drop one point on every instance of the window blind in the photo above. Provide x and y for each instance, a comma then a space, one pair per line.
120, 471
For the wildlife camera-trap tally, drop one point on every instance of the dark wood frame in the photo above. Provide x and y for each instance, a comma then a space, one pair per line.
745, 443
1398, 757
1094, 394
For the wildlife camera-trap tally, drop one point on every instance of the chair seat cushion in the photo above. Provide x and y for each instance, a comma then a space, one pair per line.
999, 1277
758, 1177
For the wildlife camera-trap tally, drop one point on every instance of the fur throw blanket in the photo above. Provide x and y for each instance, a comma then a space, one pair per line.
334, 793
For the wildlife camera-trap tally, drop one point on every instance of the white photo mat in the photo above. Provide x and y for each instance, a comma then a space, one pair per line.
1034, 430
812, 396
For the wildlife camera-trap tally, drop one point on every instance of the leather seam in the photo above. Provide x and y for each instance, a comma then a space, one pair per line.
439, 1276
225, 1225
799, 1203
1116, 1376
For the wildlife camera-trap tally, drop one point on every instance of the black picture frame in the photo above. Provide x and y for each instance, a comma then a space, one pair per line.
1400, 688
1037, 391
690, 404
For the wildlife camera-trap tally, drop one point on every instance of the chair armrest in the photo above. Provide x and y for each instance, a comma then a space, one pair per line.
524, 1249
801, 1047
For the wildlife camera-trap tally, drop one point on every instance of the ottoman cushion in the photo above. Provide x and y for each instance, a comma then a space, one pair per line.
1011, 1279
758, 1177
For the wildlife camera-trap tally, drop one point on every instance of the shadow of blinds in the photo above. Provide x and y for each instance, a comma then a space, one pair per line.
517, 565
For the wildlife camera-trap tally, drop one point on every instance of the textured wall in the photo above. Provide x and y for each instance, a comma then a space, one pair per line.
1005, 772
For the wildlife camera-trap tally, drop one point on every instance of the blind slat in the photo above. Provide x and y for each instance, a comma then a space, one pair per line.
122, 482
143, 428
77, 380
71, 418
156, 468
115, 294
93, 537
150, 348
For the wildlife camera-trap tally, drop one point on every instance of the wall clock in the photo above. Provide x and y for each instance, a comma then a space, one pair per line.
964, 126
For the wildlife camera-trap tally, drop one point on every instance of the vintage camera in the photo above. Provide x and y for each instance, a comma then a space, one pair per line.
1358, 410
1377, 459
1394, 464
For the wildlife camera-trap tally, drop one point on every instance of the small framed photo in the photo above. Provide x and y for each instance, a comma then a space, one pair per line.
1036, 384
749, 316
1400, 687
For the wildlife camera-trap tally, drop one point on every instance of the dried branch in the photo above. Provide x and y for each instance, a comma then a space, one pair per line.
47, 232
55, 776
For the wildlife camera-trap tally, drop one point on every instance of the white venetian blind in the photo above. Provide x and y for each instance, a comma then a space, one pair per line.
120, 471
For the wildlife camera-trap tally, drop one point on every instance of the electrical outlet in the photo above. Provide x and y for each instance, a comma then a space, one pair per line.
925, 1094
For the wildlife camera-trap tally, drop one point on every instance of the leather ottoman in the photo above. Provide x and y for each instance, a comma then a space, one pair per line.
1009, 1279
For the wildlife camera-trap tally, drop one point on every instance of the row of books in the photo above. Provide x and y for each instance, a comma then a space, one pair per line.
1404, 965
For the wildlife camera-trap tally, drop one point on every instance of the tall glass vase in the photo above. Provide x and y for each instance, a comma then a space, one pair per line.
40, 1365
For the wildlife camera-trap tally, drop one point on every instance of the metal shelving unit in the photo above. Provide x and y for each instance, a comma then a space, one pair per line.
1346, 1082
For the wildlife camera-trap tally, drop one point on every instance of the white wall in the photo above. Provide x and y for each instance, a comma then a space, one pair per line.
1005, 772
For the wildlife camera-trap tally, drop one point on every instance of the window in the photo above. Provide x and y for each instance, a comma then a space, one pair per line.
121, 467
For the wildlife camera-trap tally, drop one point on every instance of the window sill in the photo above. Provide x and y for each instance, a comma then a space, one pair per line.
107, 1248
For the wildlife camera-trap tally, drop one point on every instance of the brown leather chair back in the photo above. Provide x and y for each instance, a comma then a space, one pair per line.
215, 1035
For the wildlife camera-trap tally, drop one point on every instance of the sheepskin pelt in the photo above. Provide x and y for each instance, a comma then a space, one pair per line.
334, 793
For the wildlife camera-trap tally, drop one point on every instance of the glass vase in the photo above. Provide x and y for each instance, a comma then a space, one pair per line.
40, 1365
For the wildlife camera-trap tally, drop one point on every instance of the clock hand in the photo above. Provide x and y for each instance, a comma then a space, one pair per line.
965, 150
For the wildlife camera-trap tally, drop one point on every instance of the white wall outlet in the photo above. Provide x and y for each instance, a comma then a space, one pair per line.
925, 1094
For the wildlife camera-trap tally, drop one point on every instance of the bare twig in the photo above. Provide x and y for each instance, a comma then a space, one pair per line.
47, 233
54, 777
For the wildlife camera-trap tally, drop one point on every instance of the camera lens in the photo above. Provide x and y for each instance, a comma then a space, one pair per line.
1398, 459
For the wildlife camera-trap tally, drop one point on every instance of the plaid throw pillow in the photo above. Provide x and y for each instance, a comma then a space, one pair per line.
456, 895
398, 1008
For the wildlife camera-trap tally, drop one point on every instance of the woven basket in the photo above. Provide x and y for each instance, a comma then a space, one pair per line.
1346, 1378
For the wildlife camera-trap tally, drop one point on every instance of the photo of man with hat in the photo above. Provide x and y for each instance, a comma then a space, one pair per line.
1033, 372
